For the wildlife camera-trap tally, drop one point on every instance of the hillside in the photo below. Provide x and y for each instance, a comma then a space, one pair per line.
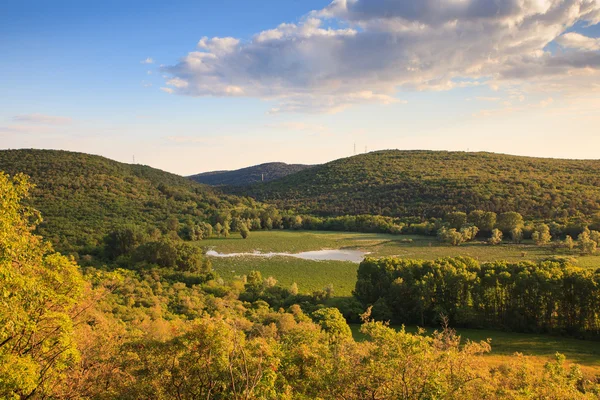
249, 175
82, 196
431, 183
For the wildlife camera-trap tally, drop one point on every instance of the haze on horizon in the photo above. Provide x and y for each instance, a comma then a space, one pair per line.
200, 86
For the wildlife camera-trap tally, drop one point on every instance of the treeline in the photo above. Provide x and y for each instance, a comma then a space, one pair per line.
549, 296
428, 184
83, 197
115, 334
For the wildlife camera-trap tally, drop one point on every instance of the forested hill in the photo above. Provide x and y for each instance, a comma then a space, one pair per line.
250, 175
82, 196
432, 183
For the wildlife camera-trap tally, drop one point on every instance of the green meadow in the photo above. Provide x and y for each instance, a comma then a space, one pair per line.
314, 275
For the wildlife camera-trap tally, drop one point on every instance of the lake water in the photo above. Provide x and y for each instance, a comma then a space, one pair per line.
355, 256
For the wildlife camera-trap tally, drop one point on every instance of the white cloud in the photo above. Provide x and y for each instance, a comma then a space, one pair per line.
167, 90
147, 61
42, 119
367, 51
575, 40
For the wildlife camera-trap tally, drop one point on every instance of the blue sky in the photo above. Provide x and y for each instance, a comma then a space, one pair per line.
73, 76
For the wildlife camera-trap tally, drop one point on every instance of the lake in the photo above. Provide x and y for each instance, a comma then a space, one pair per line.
355, 256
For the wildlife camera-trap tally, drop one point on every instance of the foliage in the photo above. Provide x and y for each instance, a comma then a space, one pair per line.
454, 237
523, 297
246, 176
541, 235
39, 290
428, 184
83, 197
496, 237
168, 333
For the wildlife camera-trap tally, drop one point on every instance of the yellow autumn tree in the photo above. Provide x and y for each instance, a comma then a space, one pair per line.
39, 289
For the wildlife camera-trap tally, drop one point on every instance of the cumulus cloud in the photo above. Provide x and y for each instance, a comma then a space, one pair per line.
369, 51
147, 61
578, 41
42, 119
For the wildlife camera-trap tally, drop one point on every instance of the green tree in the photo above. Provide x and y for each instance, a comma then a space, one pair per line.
38, 292
496, 237
450, 236
456, 219
333, 322
587, 245
509, 221
244, 231
569, 243
541, 235
218, 229
516, 235
469, 232
123, 240
484, 220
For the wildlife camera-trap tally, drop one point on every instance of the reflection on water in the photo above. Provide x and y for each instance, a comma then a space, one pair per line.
355, 256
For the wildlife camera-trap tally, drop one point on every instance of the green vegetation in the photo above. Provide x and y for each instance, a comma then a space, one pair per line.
523, 297
82, 196
247, 176
541, 348
383, 245
150, 315
309, 276
428, 184
39, 291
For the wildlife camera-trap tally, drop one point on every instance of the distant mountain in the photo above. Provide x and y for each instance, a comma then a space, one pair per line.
82, 196
247, 176
432, 183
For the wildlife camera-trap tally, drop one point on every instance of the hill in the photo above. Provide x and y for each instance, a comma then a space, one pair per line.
82, 196
249, 175
432, 183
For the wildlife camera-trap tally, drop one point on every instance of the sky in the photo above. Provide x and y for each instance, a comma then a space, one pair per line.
193, 86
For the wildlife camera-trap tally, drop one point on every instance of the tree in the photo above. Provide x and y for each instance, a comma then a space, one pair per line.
191, 231
297, 222
509, 221
569, 243
225, 229
207, 229
469, 232
541, 235
333, 322
244, 231
456, 219
516, 235
38, 292
496, 237
450, 236
172, 224
294, 289
587, 245
218, 228
123, 240
595, 236
484, 220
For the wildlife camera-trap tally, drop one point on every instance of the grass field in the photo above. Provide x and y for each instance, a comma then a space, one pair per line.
314, 275
541, 348
308, 275
378, 245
